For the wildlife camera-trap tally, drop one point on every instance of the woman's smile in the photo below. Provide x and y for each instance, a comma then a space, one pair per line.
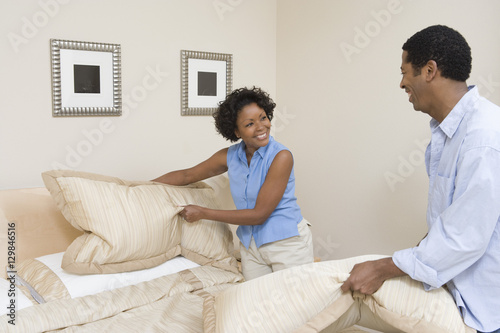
262, 136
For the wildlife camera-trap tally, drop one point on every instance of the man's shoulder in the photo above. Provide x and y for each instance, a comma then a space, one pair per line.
483, 126
485, 115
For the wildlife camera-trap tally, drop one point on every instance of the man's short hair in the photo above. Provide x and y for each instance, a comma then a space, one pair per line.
447, 47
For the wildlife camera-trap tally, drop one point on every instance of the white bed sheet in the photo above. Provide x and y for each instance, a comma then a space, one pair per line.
83, 285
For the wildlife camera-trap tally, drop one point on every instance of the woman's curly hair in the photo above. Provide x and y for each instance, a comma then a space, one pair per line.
227, 113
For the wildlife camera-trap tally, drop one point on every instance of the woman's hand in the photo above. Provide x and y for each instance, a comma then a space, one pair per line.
192, 213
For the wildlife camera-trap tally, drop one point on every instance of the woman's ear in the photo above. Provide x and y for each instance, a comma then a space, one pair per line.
237, 133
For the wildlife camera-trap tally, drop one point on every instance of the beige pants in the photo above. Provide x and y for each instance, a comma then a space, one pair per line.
277, 255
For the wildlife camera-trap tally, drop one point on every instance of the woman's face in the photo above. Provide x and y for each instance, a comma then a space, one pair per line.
253, 127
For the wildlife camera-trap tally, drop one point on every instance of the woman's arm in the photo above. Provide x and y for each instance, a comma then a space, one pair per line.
215, 165
268, 198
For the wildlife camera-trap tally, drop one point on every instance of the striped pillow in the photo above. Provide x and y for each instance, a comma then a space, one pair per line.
308, 298
134, 225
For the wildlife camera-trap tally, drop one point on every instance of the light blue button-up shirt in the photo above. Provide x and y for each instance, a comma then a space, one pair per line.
462, 248
245, 182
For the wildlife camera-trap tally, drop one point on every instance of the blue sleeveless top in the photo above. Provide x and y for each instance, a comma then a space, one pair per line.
245, 182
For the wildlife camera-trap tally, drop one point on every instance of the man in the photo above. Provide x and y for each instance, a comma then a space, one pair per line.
462, 247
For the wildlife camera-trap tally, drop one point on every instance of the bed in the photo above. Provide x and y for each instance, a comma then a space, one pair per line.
94, 253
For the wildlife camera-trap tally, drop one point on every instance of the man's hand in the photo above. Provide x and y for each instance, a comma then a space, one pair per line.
368, 277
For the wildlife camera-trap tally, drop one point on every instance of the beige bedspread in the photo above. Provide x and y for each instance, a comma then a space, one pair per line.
208, 299
172, 303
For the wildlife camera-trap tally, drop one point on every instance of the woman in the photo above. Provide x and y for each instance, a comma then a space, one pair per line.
272, 231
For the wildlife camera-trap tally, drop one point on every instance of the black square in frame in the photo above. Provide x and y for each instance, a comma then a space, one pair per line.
207, 84
87, 79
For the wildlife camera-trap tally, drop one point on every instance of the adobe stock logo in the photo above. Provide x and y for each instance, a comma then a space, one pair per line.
364, 36
40, 19
94, 137
222, 7
407, 165
280, 120
487, 86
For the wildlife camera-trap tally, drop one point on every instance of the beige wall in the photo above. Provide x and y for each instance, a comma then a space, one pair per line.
332, 66
152, 137
358, 143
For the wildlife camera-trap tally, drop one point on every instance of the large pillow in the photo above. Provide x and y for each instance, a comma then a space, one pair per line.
133, 225
47, 281
308, 298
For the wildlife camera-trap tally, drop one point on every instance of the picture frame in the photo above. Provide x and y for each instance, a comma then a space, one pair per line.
86, 78
206, 80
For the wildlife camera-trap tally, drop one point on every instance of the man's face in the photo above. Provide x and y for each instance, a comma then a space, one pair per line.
413, 83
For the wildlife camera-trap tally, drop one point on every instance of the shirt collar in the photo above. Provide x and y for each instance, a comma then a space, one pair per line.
450, 124
261, 151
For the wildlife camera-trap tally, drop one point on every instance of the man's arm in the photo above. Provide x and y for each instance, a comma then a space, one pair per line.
368, 277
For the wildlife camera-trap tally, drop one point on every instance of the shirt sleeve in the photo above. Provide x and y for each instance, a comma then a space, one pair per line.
460, 234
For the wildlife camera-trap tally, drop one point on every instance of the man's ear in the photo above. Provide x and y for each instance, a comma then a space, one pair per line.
430, 70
